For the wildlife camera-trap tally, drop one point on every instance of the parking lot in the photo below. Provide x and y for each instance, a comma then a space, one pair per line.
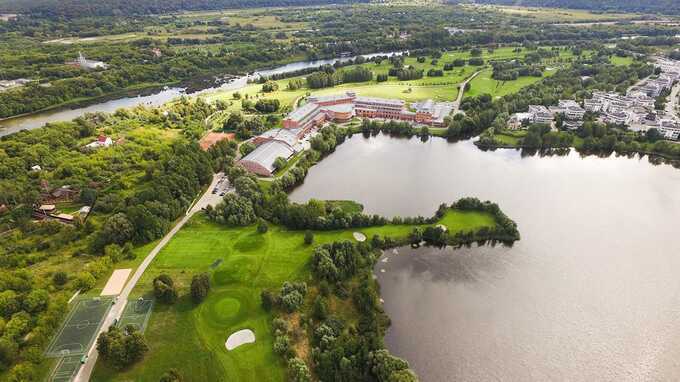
218, 188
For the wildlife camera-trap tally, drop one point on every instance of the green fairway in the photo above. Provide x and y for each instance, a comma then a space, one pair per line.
484, 84
192, 338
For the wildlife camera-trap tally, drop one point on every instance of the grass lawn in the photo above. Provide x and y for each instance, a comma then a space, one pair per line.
483, 83
621, 61
561, 15
243, 263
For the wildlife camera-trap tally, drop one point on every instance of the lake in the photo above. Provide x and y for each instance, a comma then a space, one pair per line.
590, 292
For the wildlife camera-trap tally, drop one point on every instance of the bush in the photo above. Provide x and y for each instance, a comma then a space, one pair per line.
476, 61
262, 227
270, 86
200, 286
267, 300
85, 281
59, 278
309, 237
171, 375
267, 105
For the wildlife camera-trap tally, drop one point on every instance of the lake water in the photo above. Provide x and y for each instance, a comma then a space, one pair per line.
156, 98
591, 292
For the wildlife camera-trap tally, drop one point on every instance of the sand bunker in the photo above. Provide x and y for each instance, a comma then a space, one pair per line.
245, 336
358, 236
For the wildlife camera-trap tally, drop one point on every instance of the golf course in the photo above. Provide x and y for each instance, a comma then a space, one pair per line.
242, 262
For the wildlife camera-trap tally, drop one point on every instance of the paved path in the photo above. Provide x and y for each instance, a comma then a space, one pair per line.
673, 102
207, 198
461, 92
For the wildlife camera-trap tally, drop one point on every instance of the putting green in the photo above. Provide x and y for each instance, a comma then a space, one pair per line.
225, 309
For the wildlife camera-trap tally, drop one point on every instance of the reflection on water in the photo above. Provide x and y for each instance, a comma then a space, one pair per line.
591, 292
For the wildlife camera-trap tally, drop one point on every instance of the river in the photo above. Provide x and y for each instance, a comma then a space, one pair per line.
156, 98
590, 292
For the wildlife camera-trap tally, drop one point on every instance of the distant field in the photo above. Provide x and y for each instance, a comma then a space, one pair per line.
561, 15
191, 338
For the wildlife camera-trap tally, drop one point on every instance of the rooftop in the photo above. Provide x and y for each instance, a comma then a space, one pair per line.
289, 136
384, 101
300, 113
266, 153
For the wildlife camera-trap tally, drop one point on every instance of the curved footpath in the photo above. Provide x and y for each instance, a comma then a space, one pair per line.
461, 92
206, 199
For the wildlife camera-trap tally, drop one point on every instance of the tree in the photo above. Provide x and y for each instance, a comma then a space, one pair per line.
122, 348
246, 148
298, 371
270, 86
267, 105
279, 163
85, 281
319, 310
200, 286
36, 301
388, 368
9, 350
234, 210
233, 122
9, 303
117, 230
292, 296
164, 289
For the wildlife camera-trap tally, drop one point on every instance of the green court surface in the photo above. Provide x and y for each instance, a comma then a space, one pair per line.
80, 327
66, 369
136, 313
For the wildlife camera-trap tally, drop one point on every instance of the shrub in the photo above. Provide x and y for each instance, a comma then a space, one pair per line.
309, 237
267, 300
59, 278
262, 227
171, 375
85, 281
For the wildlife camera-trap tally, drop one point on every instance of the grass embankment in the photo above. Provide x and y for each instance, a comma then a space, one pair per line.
243, 263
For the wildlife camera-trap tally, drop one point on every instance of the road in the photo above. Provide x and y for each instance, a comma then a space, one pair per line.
673, 102
461, 92
208, 198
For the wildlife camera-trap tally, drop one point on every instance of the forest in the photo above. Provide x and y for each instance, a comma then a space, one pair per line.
85, 8
135, 190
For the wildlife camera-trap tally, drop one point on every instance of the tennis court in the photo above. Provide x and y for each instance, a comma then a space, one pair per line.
136, 313
66, 369
80, 328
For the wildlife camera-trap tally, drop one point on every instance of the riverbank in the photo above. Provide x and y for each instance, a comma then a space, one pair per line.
660, 149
